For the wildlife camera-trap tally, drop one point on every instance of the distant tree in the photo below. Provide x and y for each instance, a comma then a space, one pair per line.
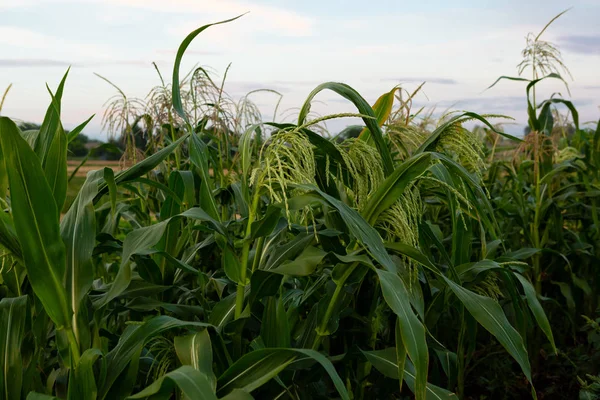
77, 146
28, 126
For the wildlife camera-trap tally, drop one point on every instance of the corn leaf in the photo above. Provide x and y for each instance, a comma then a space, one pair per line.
36, 223
260, 366
13, 314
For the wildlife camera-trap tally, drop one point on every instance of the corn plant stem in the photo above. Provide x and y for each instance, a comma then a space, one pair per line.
364, 367
535, 235
239, 300
332, 304
73, 346
461, 357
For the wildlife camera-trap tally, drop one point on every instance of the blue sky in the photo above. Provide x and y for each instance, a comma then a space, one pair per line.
458, 47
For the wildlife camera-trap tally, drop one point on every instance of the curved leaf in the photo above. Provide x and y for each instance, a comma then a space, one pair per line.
490, 315
412, 330
363, 108
260, 366
192, 383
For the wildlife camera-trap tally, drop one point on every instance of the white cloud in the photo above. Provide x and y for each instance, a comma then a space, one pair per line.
266, 18
22, 38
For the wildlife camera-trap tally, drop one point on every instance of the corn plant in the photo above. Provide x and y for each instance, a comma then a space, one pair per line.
374, 259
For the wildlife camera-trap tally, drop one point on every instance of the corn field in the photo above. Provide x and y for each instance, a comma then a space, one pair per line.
241, 258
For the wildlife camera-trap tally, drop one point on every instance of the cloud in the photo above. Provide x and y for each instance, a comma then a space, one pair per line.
298, 83
45, 63
496, 104
243, 87
262, 18
439, 80
24, 38
191, 52
13, 63
589, 45
510, 105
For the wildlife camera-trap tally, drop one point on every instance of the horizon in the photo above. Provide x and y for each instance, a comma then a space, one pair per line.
458, 49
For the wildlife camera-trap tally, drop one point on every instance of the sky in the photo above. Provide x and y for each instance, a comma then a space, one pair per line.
458, 47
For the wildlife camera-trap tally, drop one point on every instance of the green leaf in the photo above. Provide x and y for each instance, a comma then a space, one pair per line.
304, 264
142, 241
510, 78
8, 235
430, 142
40, 396
176, 95
365, 233
565, 290
13, 312
55, 167
143, 167
78, 129
290, 250
192, 383
36, 222
382, 108
195, 350
78, 232
412, 330
385, 362
131, 343
238, 394
199, 157
82, 382
263, 284
51, 123
223, 311
363, 108
109, 178
390, 190
537, 310
258, 367
490, 315
231, 263
400, 352
275, 329
245, 151
264, 226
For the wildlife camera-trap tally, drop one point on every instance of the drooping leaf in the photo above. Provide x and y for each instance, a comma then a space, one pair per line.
385, 362
412, 330
536, 309
363, 108
177, 104
258, 367
192, 383
490, 315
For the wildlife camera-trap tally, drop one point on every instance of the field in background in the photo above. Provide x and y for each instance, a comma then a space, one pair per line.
77, 181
